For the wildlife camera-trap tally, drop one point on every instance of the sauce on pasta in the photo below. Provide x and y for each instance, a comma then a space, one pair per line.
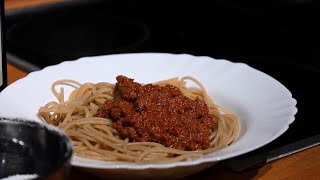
163, 122
162, 114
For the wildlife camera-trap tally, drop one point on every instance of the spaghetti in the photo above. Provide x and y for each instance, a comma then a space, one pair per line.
95, 138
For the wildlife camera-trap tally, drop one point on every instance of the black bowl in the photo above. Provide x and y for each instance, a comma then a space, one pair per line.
33, 148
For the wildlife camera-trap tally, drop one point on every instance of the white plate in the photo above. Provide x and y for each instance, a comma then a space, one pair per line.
264, 106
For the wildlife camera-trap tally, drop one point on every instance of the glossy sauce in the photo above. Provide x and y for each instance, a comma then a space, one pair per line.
162, 114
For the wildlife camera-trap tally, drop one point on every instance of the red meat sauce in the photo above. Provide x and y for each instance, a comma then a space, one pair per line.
162, 114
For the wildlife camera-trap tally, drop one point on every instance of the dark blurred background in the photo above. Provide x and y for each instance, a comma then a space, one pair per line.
279, 37
239, 30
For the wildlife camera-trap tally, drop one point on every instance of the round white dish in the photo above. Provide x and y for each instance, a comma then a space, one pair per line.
264, 106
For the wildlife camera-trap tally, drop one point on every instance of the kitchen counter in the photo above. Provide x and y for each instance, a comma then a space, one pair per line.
302, 165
